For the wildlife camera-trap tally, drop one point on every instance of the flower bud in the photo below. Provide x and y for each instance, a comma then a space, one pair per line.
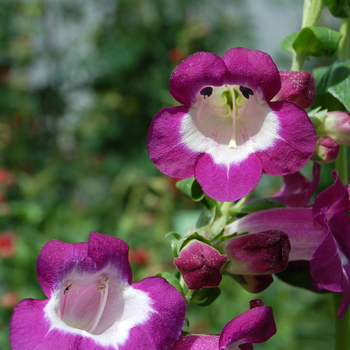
337, 126
297, 87
200, 265
327, 150
258, 254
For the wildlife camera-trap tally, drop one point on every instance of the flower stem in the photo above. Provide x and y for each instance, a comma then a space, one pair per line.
342, 337
312, 12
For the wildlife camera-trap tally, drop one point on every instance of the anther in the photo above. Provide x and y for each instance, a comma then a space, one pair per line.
67, 289
207, 91
105, 280
246, 92
101, 287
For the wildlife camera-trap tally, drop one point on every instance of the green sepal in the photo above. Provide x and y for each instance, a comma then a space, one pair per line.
257, 205
206, 217
205, 296
316, 41
172, 280
174, 245
339, 8
186, 327
191, 189
174, 234
188, 239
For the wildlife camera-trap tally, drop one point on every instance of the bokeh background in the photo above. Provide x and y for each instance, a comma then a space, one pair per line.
79, 84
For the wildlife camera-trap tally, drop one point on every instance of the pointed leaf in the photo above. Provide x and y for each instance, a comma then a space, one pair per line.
205, 296
191, 189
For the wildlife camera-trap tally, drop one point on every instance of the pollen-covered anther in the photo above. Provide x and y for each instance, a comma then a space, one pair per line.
67, 289
105, 280
101, 287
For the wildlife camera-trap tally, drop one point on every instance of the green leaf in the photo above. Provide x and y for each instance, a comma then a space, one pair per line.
339, 82
257, 205
332, 86
339, 8
205, 296
287, 43
174, 235
191, 189
316, 41
171, 279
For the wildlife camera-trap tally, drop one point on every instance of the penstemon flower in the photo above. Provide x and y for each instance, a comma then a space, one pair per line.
228, 131
254, 326
93, 305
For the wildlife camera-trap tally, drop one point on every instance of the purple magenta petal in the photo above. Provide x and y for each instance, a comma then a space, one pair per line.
253, 69
293, 149
297, 190
28, 324
254, 326
194, 73
57, 259
227, 184
325, 266
164, 325
165, 147
197, 342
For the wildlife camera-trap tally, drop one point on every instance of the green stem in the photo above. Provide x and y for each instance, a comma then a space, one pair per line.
343, 50
342, 337
312, 12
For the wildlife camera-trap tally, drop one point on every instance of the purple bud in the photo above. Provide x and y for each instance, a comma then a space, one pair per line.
200, 265
327, 150
255, 283
337, 125
297, 87
259, 253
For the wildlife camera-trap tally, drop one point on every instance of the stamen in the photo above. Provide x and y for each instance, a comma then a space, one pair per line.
67, 289
105, 280
207, 91
246, 92
101, 307
233, 143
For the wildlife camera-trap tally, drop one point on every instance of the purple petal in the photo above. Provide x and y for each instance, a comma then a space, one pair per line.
228, 183
253, 69
254, 326
194, 73
296, 143
165, 147
297, 190
164, 326
197, 342
325, 266
57, 259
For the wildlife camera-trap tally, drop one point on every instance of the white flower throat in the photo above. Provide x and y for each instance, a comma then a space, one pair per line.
100, 288
228, 101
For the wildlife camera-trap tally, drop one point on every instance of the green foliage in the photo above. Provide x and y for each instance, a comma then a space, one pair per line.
339, 8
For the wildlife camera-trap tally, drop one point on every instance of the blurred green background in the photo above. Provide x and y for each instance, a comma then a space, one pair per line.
80, 82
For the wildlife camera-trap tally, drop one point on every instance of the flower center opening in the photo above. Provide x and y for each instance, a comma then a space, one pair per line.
228, 101
82, 306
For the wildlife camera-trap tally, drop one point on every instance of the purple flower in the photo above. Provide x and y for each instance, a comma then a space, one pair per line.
200, 265
228, 131
254, 326
319, 234
91, 303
